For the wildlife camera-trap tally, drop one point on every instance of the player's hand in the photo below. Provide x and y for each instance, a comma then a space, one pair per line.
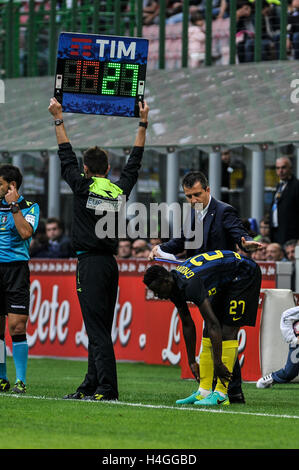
55, 108
222, 372
12, 194
251, 245
154, 253
143, 111
195, 370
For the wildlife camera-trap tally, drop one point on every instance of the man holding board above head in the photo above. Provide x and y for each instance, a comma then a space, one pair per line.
97, 271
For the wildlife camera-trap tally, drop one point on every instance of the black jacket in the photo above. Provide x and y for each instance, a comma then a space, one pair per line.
288, 214
222, 230
87, 199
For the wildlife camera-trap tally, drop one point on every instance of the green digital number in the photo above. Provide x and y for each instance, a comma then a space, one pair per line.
129, 80
111, 78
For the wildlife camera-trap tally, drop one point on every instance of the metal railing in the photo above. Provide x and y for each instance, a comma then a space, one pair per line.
28, 39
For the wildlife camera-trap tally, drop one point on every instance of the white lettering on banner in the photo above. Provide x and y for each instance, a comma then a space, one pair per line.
43, 311
81, 337
142, 340
124, 320
242, 345
174, 335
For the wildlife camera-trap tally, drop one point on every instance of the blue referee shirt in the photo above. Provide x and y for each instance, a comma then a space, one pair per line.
12, 246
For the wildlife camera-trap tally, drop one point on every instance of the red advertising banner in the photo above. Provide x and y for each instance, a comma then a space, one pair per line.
268, 269
144, 329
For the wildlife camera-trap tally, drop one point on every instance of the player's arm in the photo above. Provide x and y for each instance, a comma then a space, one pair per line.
215, 335
189, 333
55, 109
23, 227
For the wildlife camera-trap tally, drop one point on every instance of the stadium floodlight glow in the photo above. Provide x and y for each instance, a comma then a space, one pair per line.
100, 74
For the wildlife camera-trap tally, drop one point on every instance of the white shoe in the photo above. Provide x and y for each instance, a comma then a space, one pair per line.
265, 382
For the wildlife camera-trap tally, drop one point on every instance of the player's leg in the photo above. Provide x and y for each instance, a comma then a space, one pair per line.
229, 354
206, 373
239, 308
17, 290
4, 383
17, 330
285, 374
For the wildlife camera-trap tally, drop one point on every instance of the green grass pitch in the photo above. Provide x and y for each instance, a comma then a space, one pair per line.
145, 417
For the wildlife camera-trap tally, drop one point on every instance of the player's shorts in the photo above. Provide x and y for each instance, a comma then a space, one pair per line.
238, 304
14, 288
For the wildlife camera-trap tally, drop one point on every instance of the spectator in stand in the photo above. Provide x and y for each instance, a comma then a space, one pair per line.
293, 28
142, 252
261, 255
124, 249
39, 246
289, 249
59, 244
245, 27
151, 10
264, 229
274, 252
284, 221
197, 40
219, 8
233, 172
137, 244
246, 32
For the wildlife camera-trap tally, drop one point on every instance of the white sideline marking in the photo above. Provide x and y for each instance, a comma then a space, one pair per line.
163, 407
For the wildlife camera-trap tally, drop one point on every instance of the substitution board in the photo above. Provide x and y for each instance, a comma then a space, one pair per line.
100, 74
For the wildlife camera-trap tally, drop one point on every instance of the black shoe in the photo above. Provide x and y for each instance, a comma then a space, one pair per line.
237, 398
19, 387
4, 385
99, 397
74, 396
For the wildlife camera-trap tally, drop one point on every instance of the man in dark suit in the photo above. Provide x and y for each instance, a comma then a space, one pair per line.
284, 221
222, 230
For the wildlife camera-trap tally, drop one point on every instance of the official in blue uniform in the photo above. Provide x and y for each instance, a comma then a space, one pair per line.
18, 221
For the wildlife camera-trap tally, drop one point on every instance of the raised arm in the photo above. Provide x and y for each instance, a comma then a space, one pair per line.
141, 133
55, 109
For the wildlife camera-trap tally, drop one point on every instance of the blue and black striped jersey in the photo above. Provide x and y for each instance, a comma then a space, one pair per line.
206, 274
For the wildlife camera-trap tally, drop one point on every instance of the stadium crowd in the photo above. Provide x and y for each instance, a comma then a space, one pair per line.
245, 30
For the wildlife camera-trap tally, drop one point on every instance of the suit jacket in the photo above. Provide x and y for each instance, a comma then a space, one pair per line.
222, 230
288, 214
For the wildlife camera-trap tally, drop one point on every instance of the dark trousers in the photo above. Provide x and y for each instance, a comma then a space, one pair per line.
291, 368
97, 283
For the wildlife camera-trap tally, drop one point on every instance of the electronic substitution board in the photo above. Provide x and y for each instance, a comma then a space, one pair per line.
100, 74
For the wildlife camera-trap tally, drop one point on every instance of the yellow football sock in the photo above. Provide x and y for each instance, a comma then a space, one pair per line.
229, 356
206, 365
